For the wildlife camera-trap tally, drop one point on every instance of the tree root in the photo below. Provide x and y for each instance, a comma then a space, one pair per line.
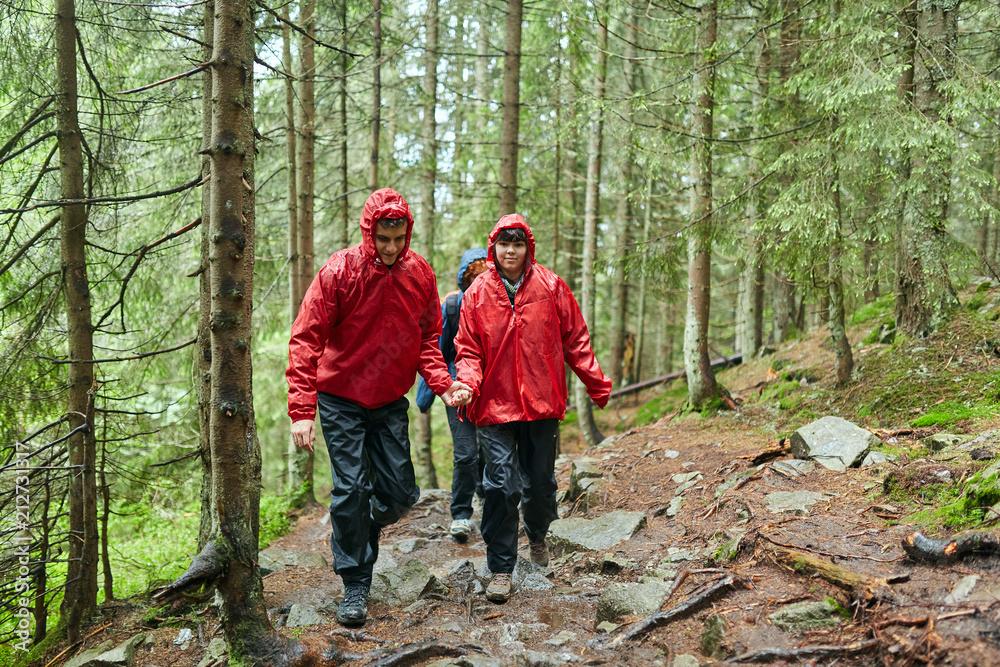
928, 550
661, 618
861, 587
420, 651
206, 567
773, 654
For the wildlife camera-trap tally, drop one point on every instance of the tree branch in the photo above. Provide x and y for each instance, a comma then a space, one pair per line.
301, 31
110, 200
132, 358
35, 118
30, 242
197, 69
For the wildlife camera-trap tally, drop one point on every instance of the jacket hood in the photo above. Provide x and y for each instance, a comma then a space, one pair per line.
508, 222
468, 257
384, 203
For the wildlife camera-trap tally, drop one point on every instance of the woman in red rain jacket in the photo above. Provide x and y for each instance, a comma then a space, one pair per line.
519, 324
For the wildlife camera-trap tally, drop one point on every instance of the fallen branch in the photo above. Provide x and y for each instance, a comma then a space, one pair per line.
859, 585
659, 619
772, 654
420, 651
926, 549
831, 555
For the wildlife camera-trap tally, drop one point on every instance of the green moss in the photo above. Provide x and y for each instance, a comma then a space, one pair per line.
790, 403
950, 412
977, 301
838, 608
274, 521
881, 307
669, 401
778, 391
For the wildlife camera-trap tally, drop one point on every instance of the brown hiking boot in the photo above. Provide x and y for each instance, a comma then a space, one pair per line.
499, 588
539, 553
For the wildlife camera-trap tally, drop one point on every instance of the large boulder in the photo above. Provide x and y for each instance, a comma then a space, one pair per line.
402, 586
576, 534
833, 442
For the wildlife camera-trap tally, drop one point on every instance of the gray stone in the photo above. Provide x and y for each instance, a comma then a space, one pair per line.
713, 637
683, 477
877, 459
685, 660
452, 626
675, 506
526, 575
466, 661
620, 600
385, 562
795, 466
561, 639
279, 559
940, 441
607, 442
962, 589
833, 442
410, 545
520, 632
590, 493
678, 555
804, 616
121, 655
402, 586
217, 647
602, 533
539, 659
606, 627
535, 581
462, 573
685, 486
301, 615
582, 468
616, 563
86, 658
792, 502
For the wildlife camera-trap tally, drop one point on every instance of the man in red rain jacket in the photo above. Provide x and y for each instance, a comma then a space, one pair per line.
519, 324
369, 321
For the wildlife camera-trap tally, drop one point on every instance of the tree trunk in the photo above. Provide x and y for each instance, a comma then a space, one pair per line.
301, 462
109, 587
424, 461
843, 357
619, 316
376, 93
342, 221
429, 153
702, 387
204, 345
924, 294
570, 228
511, 103
584, 406
482, 172
640, 323
80, 597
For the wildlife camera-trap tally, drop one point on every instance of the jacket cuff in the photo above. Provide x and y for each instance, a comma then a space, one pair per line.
300, 413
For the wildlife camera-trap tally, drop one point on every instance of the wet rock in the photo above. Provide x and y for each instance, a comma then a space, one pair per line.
410, 545
582, 468
834, 443
804, 616
792, 502
795, 466
940, 441
403, 585
86, 658
877, 458
300, 616
462, 573
561, 639
616, 563
602, 533
621, 600
685, 660
590, 494
675, 506
713, 636
216, 648
962, 589
278, 559
678, 555
385, 562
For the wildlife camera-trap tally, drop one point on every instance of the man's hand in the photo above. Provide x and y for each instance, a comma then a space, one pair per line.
457, 394
304, 433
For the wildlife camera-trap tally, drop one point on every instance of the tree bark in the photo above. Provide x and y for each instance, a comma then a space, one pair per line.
511, 104
482, 171
702, 387
342, 221
424, 460
301, 462
430, 145
204, 345
619, 316
584, 406
640, 323
376, 93
80, 597
925, 297
570, 228
843, 356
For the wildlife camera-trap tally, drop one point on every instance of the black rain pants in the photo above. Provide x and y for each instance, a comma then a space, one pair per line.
467, 475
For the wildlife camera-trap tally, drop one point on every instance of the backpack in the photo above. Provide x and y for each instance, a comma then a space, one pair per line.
453, 311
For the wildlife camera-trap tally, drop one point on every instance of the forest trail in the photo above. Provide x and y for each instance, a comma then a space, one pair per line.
894, 612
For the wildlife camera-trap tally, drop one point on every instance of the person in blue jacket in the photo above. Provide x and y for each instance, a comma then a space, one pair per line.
467, 476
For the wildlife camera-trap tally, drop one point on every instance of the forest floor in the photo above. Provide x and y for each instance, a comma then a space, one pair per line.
901, 613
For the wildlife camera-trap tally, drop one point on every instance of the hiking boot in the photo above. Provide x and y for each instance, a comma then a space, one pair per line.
499, 588
539, 553
353, 608
460, 529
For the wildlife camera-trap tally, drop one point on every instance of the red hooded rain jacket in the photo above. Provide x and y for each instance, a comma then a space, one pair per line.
365, 329
513, 358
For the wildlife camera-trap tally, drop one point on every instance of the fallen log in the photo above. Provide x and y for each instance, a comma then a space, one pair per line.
773, 654
661, 618
928, 550
860, 586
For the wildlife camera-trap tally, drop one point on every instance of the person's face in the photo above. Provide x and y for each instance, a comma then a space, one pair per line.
510, 258
389, 242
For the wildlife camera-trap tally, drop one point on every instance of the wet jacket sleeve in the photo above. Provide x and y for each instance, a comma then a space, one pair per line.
576, 346
431, 365
469, 350
310, 332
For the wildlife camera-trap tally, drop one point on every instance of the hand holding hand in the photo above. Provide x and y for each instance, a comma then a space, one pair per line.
457, 394
304, 433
